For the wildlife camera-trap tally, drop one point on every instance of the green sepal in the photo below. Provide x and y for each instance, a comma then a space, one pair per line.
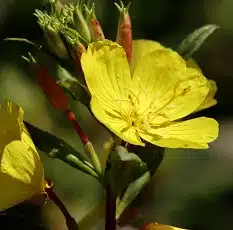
194, 40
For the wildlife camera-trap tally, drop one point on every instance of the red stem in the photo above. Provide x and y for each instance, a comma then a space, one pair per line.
70, 115
70, 221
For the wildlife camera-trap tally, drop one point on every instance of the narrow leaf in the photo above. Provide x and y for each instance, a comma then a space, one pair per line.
57, 148
132, 191
194, 40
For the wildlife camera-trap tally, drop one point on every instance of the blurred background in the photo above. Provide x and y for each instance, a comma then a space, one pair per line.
192, 189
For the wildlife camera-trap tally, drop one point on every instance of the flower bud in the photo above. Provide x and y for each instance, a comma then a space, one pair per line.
54, 7
76, 47
52, 27
124, 34
94, 25
53, 91
81, 25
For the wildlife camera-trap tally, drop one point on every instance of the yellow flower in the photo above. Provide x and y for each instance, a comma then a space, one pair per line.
155, 226
148, 105
21, 171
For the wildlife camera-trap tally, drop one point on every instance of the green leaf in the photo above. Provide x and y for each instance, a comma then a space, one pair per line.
194, 40
121, 162
132, 191
57, 148
151, 156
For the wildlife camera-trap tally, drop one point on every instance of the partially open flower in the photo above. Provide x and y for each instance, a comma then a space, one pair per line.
150, 104
21, 171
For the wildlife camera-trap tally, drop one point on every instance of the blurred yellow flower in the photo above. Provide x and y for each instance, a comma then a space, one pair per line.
155, 226
149, 105
21, 171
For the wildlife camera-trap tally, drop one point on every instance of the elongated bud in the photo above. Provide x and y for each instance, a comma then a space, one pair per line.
51, 27
81, 25
54, 7
77, 48
124, 34
93, 157
53, 91
89, 149
80, 49
94, 25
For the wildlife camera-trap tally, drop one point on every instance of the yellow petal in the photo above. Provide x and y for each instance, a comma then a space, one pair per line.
112, 120
191, 63
209, 100
195, 133
188, 95
106, 71
156, 226
11, 122
140, 48
13, 192
158, 85
21, 171
154, 78
108, 78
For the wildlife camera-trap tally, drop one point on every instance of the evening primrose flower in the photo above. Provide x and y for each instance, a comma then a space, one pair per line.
149, 105
21, 171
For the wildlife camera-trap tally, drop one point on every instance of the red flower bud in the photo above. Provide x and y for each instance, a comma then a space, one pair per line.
94, 25
96, 30
124, 34
53, 91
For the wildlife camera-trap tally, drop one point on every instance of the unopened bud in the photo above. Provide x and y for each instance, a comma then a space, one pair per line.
48, 84
81, 25
80, 49
94, 25
52, 27
77, 48
124, 34
54, 7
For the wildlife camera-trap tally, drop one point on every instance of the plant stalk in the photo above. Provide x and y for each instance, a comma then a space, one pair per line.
70, 221
110, 221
